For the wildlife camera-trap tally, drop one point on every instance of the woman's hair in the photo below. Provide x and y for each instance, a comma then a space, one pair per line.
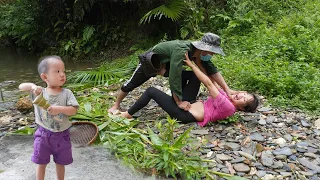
43, 66
252, 105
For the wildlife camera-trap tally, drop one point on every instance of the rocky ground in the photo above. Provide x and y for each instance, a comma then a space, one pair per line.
268, 144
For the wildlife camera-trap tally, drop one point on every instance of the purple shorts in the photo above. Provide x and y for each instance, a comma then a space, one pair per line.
56, 143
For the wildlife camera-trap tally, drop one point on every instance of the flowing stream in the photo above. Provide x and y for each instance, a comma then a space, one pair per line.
17, 67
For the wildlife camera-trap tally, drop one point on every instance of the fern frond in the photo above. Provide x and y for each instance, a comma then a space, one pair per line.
174, 9
102, 75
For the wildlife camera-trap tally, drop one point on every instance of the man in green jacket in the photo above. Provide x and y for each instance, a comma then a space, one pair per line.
184, 84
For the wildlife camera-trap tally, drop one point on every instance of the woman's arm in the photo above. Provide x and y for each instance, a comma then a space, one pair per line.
203, 78
200, 66
217, 77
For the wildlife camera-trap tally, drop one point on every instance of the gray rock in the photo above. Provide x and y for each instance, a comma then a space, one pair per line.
241, 174
248, 149
288, 137
277, 165
317, 124
266, 158
302, 143
200, 131
262, 122
225, 170
310, 155
316, 161
259, 166
295, 127
279, 125
289, 122
220, 166
305, 124
223, 157
307, 173
312, 150
305, 162
257, 137
249, 119
241, 167
247, 155
286, 167
209, 145
232, 146
302, 149
272, 172
315, 177
238, 160
286, 174
283, 151
281, 157
269, 177
264, 109
271, 119
293, 157
260, 174
3, 133
316, 132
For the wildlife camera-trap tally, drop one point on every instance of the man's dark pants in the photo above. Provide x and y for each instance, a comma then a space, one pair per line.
190, 83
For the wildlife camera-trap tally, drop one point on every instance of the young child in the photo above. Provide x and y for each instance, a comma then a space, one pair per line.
52, 135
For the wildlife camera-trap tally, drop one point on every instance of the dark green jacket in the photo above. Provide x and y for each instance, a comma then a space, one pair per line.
172, 52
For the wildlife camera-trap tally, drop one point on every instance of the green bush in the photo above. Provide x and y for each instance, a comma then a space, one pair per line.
18, 23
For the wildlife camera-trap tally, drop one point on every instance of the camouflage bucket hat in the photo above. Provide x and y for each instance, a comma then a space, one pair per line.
209, 42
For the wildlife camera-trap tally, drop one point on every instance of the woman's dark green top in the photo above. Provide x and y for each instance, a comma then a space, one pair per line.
172, 52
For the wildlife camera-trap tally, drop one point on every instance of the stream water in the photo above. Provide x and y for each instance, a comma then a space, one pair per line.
17, 67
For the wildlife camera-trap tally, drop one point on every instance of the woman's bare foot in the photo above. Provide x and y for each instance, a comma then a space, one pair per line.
126, 115
114, 109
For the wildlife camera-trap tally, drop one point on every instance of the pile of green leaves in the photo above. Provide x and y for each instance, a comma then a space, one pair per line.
156, 149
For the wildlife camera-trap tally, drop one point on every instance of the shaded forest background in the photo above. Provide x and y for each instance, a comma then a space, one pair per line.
272, 46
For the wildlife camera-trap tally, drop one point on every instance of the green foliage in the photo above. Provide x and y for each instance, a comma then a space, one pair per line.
147, 150
280, 62
17, 21
172, 9
231, 119
80, 7
192, 21
4, 2
26, 130
108, 73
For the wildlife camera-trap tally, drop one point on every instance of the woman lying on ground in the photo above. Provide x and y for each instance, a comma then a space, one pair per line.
217, 107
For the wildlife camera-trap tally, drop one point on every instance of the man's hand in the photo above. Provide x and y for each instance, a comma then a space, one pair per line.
185, 105
230, 92
54, 110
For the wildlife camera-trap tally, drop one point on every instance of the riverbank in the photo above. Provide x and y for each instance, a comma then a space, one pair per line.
269, 144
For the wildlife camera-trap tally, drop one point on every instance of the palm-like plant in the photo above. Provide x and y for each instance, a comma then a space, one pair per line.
105, 74
173, 9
